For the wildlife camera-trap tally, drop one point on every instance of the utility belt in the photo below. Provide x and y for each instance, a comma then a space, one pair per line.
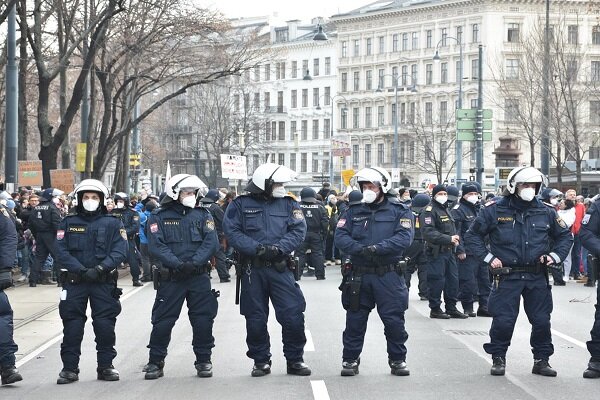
75, 278
436, 249
167, 274
281, 265
379, 270
530, 268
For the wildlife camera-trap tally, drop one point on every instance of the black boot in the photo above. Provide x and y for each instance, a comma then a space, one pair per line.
10, 374
154, 370
298, 368
483, 312
350, 367
261, 369
498, 366
438, 313
454, 313
593, 369
107, 373
204, 369
67, 376
468, 309
398, 368
541, 367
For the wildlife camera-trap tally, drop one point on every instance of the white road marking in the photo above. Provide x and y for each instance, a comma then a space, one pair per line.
57, 338
319, 390
309, 346
569, 339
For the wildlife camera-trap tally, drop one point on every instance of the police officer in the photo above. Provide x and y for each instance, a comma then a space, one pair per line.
210, 203
131, 222
439, 232
473, 275
551, 197
90, 245
417, 260
453, 194
8, 248
43, 223
265, 227
590, 239
526, 237
183, 239
317, 223
375, 233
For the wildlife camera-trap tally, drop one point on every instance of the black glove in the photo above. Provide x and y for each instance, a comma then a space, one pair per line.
5, 280
92, 274
368, 251
272, 253
187, 268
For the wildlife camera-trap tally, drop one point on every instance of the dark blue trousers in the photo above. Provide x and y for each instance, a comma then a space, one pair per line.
8, 347
133, 260
473, 282
258, 285
105, 309
315, 258
504, 306
390, 294
593, 345
442, 275
202, 310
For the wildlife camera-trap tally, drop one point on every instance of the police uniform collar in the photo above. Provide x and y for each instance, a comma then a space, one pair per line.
468, 204
392, 199
309, 200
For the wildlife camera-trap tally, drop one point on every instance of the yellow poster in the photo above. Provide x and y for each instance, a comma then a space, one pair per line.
347, 174
80, 158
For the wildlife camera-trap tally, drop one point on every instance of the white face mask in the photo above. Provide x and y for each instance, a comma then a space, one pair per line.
189, 201
279, 192
441, 199
554, 202
527, 194
90, 205
369, 196
473, 199
120, 204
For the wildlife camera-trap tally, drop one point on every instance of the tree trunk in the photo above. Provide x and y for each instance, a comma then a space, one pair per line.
22, 111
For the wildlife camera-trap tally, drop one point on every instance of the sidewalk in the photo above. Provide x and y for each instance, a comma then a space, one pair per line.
36, 317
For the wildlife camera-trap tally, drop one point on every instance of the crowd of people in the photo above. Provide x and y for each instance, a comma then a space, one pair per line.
464, 248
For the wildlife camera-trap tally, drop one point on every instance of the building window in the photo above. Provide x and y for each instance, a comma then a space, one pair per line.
367, 155
443, 152
412, 112
415, 40
277, 71
380, 154
294, 102
443, 112
368, 117
294, 69
411, 152
444, 72
402, 113
401, 154
404, 41
459, 33
369, 79
511, 110
355, 117
315, 162
325, 162
413, 75
474, 103
305, 70
257, 73
327, 65
256, 104
380, 116
595, 114
303, 162
281, 132
315, 129
596, 34
267, 100
512, 33
428, 113
268, 131
236, 102
327, 96
304, 130
596, 71
381, 45
344, 119
356, 48
293, 131
475, 33
315, 97
395, 42
356, 85
404, 74
304, 97
428, 74
394, 74
293, 161
369, 47
380, 78
273, 133
267, 72
355, 155
281, 159
444, 36
573, 34
326, 128
475, 69
344, 49
316, 67
394, 113
344, 81
429, 39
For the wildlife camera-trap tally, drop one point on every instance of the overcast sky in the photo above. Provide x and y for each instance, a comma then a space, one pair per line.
283, 10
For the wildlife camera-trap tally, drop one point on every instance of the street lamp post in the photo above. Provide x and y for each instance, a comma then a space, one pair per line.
436, 58
331, 99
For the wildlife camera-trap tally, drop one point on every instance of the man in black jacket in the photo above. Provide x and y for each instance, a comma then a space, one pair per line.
317, 222
210, 203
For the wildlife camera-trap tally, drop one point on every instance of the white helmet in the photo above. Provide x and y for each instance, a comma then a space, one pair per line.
525, 175
91, 185
375, 175
267, 174
180, 181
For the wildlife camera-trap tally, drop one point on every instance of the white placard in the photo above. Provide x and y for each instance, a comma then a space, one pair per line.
233, 167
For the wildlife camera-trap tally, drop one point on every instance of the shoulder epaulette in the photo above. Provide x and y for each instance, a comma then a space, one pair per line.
489, 203
456, 207
428, 208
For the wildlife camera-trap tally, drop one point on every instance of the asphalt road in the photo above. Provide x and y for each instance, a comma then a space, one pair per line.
445, 357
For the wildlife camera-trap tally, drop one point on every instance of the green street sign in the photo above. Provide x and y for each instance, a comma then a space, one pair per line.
466, 113
466, 124
487, 125
487, 114
471, 136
